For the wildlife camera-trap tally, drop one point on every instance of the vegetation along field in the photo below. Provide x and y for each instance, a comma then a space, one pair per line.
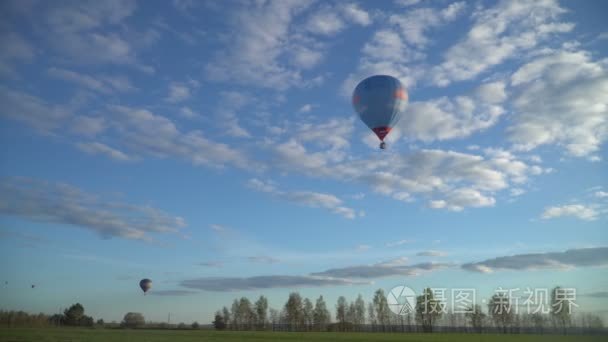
109, 335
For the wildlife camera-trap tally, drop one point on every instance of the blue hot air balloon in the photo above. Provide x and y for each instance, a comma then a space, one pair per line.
145, 285
380, 100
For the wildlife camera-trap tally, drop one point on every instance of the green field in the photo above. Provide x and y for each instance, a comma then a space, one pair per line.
109, 335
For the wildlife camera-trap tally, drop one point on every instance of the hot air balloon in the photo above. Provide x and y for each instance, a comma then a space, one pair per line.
145, 285
380, 100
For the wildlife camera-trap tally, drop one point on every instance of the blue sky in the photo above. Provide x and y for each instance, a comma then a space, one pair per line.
204, 144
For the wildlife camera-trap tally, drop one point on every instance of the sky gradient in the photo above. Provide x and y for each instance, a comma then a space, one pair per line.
212, 147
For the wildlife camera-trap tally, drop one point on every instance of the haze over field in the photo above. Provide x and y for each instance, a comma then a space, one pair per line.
212, 147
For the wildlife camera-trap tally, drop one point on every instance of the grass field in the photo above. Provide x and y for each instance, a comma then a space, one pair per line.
110, 335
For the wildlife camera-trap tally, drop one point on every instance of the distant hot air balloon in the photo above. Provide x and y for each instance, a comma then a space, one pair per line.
380, 100
145, 285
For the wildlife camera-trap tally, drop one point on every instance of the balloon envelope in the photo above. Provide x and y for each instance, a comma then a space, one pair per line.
145, 284
380, 100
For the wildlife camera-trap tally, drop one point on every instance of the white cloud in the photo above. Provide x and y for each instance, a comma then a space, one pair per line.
448, 179
415, 23
354, 13
397, 243
363, 248
432, 253
306, 198
178, 92
15, 49
61, 203
100, 83
305, 108
218, 228
155, 135
88, 126
582, 257
381, 270
407, 3
73, 30
493, 92
253, 56
264, 282
400, 261
445, 118
499, 33
573, 111
576, 210
458, 199
188, 113
32, 110
263, 259
517, 192
601, 194
325, 22
231, 103
99, 148
394, 46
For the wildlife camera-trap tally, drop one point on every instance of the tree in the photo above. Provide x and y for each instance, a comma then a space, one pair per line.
87, 321
307, 313
538, 320
293, 311
218, 322
234, 313
382, 310
195, 325
74, 314
100, 322
561, 307
359, 311
499, 309
476, 317
428, 310
372, 315
57, 319
133, 320
320, 316
351, 312
275, 316
246, 313
341, 308
261, 310
226, 315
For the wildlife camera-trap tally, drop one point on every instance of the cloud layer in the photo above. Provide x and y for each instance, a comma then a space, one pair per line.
65, 204
263, 282
583, 257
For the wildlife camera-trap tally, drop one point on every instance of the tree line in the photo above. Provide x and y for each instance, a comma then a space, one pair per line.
428, 315
73, 316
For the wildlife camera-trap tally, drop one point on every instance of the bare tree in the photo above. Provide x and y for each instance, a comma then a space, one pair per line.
226, 315
371, 312
500, 310
261, 310
359, 311
382, 310
561, 307
341, 309
293, 311
428, 310
307, 312
321, 316
476, 318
